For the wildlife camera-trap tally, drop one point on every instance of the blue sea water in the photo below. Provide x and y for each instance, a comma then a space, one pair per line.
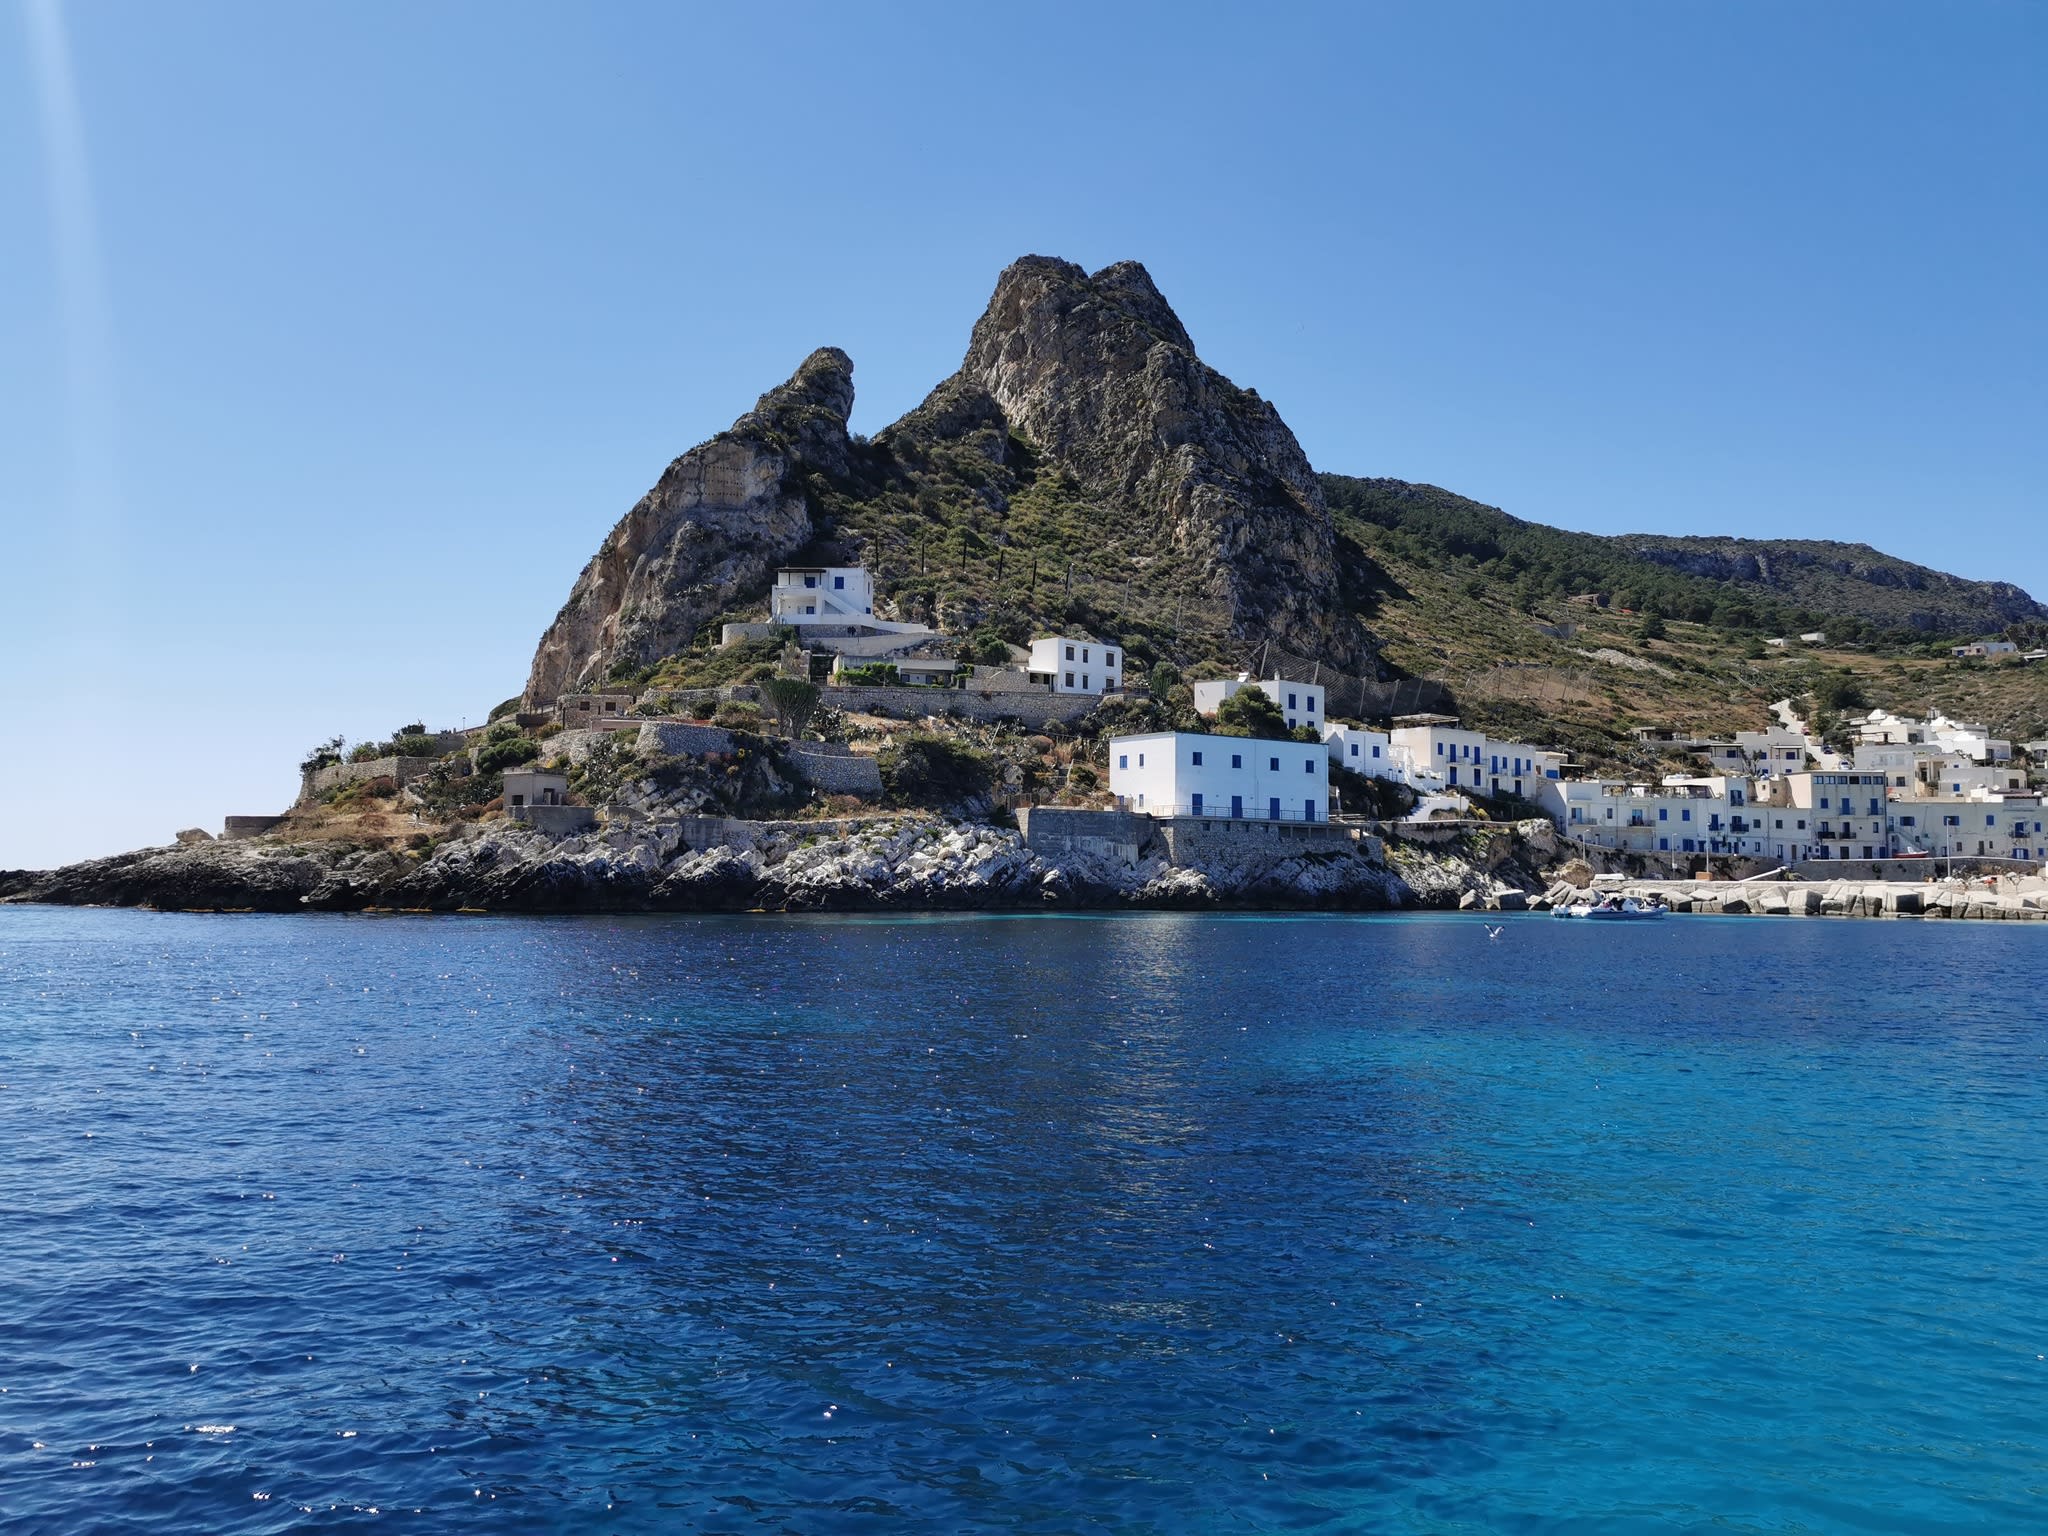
1145, 1223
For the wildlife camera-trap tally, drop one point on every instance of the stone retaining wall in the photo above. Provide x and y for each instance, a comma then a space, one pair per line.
1052, 829
235, 828
402, 769
836, 773
1031, 709
1191, 839
555, 820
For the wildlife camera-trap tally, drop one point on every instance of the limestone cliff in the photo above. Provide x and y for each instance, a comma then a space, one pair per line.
1083, 468
708, 536
1099, 376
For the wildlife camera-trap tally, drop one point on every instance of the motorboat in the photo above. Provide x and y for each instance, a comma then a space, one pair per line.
1612, 909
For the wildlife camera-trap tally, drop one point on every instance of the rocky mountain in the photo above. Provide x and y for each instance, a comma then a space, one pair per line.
1773, 585
1082, 467
1830, 577
709, 534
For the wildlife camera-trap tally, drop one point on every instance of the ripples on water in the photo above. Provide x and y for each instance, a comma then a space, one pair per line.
1147, 1223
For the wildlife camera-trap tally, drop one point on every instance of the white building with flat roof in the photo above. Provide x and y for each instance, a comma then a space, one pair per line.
1363, 751
1076, 664
1300, 703
822, 594
1181, 773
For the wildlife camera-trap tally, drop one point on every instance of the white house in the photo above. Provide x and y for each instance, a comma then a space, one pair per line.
1986, 648
1814, 637
1998, 824
535, 786
1682, 814
1363, 751
1301, 703
1440, 751
822, 594
1076, 664
1826, 815
1181, 773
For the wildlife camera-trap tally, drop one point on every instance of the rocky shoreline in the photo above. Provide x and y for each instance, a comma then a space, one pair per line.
909, 863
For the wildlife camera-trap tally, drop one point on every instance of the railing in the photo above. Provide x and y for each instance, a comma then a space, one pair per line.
1207, 812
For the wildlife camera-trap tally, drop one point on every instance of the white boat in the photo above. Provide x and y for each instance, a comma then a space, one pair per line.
1629, 909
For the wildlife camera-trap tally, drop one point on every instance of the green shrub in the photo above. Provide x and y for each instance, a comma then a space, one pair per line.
1248, 712
414, 744
509, 752
737, 715
793, 700
876, 674
934, 771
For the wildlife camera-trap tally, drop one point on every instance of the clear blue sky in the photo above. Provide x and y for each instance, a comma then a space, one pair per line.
333, 337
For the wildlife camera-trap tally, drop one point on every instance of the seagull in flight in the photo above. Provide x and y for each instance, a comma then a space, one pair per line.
1492, 932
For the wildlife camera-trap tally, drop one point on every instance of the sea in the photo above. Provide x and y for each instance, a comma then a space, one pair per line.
1122, 1223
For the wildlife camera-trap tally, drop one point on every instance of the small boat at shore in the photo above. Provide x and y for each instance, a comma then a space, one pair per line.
1609, 909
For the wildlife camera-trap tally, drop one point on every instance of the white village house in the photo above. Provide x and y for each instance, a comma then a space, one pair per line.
822, 594
1301, 703
1076, 664
1182, 773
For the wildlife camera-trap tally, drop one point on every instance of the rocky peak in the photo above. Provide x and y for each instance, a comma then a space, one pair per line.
706, 538
1099, 374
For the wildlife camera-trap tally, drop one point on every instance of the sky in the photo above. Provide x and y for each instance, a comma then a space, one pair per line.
335, 336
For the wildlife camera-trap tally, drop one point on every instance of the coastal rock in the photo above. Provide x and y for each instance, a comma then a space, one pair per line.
709, 534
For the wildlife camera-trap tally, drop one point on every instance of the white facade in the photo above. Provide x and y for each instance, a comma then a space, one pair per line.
1986, 648
1814, 637
1447, 755
535, 786
822, 594
1681, 815
1363, 751
1826, 815
1985, 824
1180, 773
1301, 703
1076, 664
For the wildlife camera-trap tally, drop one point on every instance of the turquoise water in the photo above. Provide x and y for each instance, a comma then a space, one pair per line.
1135, 1223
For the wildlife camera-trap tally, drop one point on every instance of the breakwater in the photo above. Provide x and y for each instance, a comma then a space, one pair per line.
1996, 898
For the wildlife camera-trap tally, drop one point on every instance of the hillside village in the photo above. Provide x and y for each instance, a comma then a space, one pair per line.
838, 695
1087, 625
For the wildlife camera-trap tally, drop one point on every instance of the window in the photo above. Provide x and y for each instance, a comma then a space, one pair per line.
1311, 703
1663, 813
1084, 682
810, 608
1291, 703
1237, 759
1272, 765
1141, 759
810, 581
1663, 845
1198, 759
519, 799
1123, 759
1823, 802
1906, 821
1308, 765
1109, 658
1070, 653
839, 583
1084, 653
1685, 815
1070, 679
1375, 751
1354, 750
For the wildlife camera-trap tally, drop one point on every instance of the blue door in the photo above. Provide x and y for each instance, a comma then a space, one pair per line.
1273, 809
1308, 810
1237, 806
1198, 803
